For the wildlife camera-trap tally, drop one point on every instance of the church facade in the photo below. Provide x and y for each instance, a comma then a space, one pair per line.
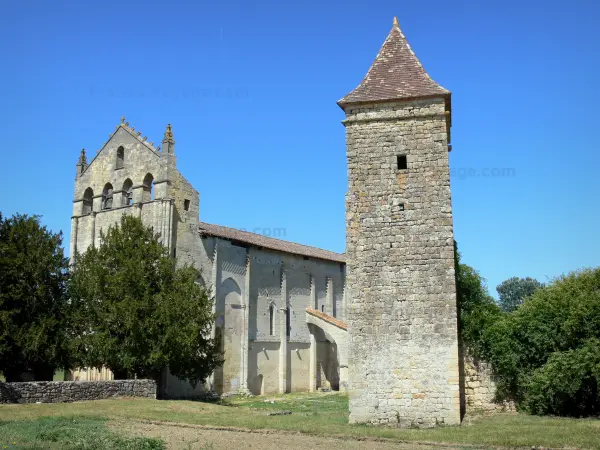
262, 286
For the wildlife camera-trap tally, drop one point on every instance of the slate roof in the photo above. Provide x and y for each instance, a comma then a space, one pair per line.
259, 240
396, 74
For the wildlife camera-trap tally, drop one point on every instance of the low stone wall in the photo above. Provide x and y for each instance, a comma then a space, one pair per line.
73, 391
480, 388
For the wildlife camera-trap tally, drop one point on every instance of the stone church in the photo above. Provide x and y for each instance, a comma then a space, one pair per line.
262, 286
294, 317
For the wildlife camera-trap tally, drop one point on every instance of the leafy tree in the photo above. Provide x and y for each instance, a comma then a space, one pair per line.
568, 384
476, 308
513, 291
33, 305
556, 330
139, 314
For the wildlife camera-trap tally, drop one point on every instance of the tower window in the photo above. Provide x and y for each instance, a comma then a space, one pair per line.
271, 320
186, 204
127, 192
148, 186
120, 158
288, 321
402, 162
88, 201
107, 196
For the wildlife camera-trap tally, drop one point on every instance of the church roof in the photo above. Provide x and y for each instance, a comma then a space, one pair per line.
259, 240
327, 318
396, 74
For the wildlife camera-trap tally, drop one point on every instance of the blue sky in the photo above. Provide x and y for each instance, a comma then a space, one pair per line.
250, 87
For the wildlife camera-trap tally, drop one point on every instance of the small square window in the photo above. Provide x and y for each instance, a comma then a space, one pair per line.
401, 206
402, 162
186, 204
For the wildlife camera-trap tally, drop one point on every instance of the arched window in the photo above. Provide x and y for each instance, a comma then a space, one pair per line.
272, 320
88, 201
127, 193
107, 196
148, 188
120, 158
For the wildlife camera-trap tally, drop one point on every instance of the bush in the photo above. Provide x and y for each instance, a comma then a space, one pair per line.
543, 352
567, 385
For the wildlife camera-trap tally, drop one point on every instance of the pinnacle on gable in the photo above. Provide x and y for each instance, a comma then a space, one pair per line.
168, 141
82, 163
168, 134
396, 74
82, 157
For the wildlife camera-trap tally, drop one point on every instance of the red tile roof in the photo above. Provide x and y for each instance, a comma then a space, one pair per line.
396, 74
259, 240
327, 318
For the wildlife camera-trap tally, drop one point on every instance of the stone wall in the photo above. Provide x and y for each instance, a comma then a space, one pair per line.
480, 388
402, 321
255, 288
72, 391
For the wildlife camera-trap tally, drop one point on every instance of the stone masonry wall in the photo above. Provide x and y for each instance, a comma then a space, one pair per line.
480, 388
72, 391
403, 349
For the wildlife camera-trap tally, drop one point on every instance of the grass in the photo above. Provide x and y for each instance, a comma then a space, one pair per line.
323, 414
69, 433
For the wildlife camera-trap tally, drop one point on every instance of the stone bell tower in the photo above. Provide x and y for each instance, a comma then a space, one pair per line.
403, 343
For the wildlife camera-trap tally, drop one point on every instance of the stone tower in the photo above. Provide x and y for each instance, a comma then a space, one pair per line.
403, 344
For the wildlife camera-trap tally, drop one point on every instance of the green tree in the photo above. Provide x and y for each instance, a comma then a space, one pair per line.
545, 353
139, 314
568, 384
477, 310
514, 291
33, 306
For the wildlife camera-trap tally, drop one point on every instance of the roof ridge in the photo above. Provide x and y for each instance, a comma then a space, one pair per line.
131, 131
261, 240
138, 135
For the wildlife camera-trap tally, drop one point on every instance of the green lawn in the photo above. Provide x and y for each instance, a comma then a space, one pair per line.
323, 414
69, 433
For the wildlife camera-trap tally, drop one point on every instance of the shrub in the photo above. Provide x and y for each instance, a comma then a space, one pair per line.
554, 331
567, 385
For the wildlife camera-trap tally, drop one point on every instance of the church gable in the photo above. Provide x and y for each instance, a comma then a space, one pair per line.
126, 158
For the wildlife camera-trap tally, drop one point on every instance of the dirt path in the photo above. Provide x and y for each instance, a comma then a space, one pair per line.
186, 437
